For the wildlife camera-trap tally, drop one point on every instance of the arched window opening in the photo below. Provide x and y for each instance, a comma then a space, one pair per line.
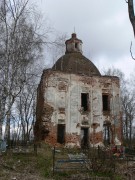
107, 133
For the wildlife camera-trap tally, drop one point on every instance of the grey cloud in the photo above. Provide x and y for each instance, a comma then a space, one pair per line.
102, 25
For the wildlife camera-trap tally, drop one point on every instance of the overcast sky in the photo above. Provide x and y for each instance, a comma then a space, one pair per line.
102, 25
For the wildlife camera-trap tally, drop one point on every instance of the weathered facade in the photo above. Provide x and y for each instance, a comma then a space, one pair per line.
76, 105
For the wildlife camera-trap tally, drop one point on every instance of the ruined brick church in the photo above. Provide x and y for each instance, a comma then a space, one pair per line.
76, 105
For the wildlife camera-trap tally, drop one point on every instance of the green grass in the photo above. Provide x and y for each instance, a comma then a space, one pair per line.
44, 165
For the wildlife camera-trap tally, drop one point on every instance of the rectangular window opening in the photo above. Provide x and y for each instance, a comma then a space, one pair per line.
105, 99
84, 101
76, 45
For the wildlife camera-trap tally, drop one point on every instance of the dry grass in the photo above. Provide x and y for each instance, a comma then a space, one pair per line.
26, 166
29, 166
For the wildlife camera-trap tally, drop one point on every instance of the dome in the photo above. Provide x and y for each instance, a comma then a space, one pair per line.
76, 63
73, 61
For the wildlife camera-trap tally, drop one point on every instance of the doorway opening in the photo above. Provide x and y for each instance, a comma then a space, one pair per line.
61, 133
84, 137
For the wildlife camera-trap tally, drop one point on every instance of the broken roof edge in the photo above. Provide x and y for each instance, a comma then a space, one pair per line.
110, 76
51, 71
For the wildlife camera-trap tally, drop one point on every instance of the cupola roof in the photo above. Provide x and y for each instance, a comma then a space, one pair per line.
73, 61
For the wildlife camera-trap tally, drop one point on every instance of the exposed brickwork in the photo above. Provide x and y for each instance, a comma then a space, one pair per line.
43, 111
96, 137
69, 138
62, 86
72, 138
51, 138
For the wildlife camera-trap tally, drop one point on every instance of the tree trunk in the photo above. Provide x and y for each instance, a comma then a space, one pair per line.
126, 128
130, 130
0, 130
7, 130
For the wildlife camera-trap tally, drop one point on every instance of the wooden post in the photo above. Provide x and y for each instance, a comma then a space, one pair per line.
53, 159
98, 151
35, 148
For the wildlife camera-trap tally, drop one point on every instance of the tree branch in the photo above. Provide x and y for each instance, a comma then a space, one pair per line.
131, 51
131, 13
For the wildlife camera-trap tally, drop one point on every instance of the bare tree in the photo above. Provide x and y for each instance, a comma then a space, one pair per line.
117, 72
128, 105
20, 46
26, 107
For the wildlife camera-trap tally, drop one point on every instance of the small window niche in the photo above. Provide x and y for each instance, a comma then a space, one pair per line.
85, 102
76, 45
62, 86
106, 102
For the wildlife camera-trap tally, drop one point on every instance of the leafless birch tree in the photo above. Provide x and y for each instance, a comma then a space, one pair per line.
20, 46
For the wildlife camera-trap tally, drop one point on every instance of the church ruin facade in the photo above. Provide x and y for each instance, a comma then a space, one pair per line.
76, 105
